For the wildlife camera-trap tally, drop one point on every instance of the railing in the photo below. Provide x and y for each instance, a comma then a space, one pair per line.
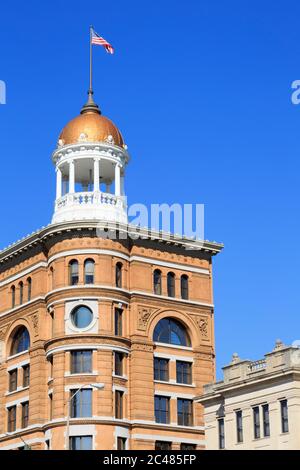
89, 198
257, 365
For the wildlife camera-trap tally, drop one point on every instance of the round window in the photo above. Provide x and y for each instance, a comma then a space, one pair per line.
81, 316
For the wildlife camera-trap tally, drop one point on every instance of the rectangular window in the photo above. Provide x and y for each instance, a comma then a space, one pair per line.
25, 414
162, 409
121, 443
221, 430
266, 420
81, 403
256, 422
26, 375
118, 322
184, 412
81, 362
13, 380
119, 363
81, 443
183, 372
184, 446
11, 415
163, 445
119, 404
284, 416
161, 369
239, 425
50, 406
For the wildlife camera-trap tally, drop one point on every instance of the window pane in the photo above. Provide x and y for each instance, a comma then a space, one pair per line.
162, 409
266, 420
81, 362
81, 443
161, 369
157, 282
13, 380
239, 426
21, 341
171, 284
183, 372
256, 422
172, 332
184, 412
26, 376
89, 268
284, 416
82, 316
163, 445
118, 363
81, 403
184, 287
118, 321
221, 433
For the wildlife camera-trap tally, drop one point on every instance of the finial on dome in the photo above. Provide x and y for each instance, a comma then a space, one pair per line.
90, 105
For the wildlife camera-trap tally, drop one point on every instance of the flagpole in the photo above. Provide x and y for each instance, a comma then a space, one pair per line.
91, 63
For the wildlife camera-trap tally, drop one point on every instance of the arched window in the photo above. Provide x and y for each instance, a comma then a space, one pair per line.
21, 292
13, 296
184, 286
29, 285
119, 267
21, 341
73, 272
89, 271
157, 282
171, 284
171, 331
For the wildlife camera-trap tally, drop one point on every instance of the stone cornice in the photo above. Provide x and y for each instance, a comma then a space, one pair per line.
38, 238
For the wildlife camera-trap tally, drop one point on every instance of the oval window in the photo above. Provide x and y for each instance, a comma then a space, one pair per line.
81, 316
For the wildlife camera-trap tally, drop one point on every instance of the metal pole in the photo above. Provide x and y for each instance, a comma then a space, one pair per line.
91, 60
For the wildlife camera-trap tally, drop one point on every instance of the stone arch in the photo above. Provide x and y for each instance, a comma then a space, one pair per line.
11, 332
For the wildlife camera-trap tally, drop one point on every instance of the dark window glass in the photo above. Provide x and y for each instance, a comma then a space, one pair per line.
284, 416
256, 422
121, 443
50, 360
163, 445
81, 403
81, 362
82, 316
13, 297
239, 425
161, 369
81, 443
21, 341
25, 414
119, 275
221, 430
26, 375
184, 286
13, 380
21, 292
171, 284
29, 285
119, 404
172, 332
157, 282
184, 412
89, 271
266, 420
50, 406
183, 372
11, 415
184, 446
119, 363
118, 322
73, 273
162, 409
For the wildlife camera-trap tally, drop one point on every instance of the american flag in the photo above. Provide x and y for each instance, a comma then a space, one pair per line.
99, 41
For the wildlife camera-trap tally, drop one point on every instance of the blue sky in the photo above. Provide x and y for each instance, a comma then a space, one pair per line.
201, 91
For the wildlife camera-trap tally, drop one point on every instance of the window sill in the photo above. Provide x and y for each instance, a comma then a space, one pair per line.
174, 383
79, 374
18, 355
19, 389
116, 376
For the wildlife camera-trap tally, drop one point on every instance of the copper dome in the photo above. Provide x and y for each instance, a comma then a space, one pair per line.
91, 126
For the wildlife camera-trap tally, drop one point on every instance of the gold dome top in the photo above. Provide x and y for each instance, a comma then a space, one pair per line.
91, 126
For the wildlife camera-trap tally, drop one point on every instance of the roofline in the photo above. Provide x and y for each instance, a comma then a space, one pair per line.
144, 233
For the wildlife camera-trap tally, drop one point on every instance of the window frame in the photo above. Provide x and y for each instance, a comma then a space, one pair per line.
119, 363
160, 371
89, 277
157, 282
119, 404
221, 433
78, 402
26, 375
256, 422
118, 320
162, 413
79, 364
266, 420
12, 418
119, 275
171, 281
73, 268
284, 416
185, 417
184, 287
25, 414
239, 426
13, 380
188, 375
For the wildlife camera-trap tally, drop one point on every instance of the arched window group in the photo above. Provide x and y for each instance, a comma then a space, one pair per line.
171, 331
89, 271
20, 341
171, 290
22, 293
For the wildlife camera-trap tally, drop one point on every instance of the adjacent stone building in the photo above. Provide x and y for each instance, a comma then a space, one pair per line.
256, 405
105, 338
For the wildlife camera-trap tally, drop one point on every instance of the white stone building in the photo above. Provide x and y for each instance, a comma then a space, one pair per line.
256, 405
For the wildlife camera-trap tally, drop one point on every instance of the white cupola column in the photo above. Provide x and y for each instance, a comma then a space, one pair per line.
117, 180
71, 177
96, 174
122, 184
58, 183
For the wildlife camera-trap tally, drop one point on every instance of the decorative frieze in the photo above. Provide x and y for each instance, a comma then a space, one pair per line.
144, 313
